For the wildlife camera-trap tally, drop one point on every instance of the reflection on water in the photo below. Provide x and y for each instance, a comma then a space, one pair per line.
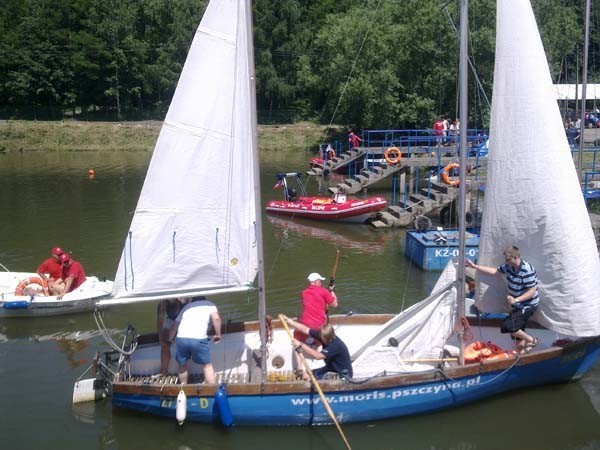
344, 236
48, 199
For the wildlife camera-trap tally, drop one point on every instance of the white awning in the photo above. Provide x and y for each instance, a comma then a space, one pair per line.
567, 91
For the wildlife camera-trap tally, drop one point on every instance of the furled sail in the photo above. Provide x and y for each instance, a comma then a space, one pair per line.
194, 230
533, 198
418, 333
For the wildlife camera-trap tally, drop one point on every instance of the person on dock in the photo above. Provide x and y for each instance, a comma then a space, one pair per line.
192, 342
354, 140
438, 130
316, 300
72, 274
572, 135
334, 350
51, 270
523, 295
166, 313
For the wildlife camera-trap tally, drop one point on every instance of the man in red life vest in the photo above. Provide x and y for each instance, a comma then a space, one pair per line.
51, 269
72, 274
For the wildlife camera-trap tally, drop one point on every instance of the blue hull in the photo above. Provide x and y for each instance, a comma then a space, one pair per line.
429, 251
373, 400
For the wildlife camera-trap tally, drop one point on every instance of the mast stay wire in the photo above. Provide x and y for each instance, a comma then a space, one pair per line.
349, 77
469, 59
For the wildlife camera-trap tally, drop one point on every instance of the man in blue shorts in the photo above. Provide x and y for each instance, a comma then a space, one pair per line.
523, 295
192, 342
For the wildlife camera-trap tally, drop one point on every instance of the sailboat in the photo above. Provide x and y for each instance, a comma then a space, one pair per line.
403, 364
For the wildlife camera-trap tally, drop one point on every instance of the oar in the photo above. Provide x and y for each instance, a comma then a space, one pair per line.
334, 270
332, 278
316, 385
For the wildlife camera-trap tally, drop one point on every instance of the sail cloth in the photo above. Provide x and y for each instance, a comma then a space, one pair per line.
533, 198
193, 230
419, 334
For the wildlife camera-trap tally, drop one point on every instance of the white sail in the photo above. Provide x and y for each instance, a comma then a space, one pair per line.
418, 333
533, 198
194, 226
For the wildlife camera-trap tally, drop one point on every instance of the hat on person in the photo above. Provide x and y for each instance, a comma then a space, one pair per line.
64, 258
57, 251
315, 276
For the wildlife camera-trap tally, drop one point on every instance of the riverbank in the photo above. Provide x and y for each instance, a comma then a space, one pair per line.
75, 136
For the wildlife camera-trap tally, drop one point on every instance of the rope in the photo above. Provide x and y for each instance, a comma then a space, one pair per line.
109, 340
349, 77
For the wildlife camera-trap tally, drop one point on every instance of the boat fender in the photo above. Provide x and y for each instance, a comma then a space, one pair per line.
446, 174
16, 304
20, 289
181, 407
222, 406
392, 155
422, 223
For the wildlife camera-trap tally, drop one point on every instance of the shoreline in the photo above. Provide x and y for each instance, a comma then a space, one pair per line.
79, 136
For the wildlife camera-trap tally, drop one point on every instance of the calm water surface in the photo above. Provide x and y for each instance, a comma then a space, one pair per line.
47, 199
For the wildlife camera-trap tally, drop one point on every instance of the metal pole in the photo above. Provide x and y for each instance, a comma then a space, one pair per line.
262, 313
586, 39
462, 188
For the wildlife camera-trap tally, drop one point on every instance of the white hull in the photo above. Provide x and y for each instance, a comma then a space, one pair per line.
82, 299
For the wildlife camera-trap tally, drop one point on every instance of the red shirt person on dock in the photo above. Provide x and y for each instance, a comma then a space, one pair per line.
354, 140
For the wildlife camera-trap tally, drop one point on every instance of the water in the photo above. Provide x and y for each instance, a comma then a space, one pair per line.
47, 199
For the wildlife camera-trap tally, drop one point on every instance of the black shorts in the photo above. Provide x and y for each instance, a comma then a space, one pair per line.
516, 320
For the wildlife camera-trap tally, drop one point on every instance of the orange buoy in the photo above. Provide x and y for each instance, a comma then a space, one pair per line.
392, 155
446, 174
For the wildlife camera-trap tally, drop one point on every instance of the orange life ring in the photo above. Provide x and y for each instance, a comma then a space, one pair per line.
330, 153
392, 155
19, 290
478, 351
446, 174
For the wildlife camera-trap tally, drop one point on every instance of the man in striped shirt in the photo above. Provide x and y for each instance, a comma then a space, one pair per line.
523, 295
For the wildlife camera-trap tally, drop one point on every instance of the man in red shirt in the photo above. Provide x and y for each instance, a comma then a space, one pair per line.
52, 267
72, 274
354, 140
315, 302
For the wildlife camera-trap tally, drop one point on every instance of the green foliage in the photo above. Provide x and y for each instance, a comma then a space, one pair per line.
366, 63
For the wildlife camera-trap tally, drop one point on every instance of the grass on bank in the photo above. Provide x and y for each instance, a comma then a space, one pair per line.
74, 136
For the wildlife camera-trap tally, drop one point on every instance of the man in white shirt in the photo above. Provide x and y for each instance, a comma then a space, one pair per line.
192, 342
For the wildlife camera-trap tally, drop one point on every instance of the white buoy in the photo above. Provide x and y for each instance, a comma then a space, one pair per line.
181, 408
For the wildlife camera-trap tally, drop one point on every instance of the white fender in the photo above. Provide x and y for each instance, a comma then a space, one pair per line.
181, 408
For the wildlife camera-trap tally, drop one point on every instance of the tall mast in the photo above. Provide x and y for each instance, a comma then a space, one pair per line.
462, 188
586, 39
262, 311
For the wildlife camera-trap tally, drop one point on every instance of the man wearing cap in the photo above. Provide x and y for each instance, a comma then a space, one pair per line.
315, 302
72, 274
51, 269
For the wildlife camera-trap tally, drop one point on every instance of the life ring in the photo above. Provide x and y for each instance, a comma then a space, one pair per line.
422, 223
20, 289
446, 174
478, 351
330, 153
392, 155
